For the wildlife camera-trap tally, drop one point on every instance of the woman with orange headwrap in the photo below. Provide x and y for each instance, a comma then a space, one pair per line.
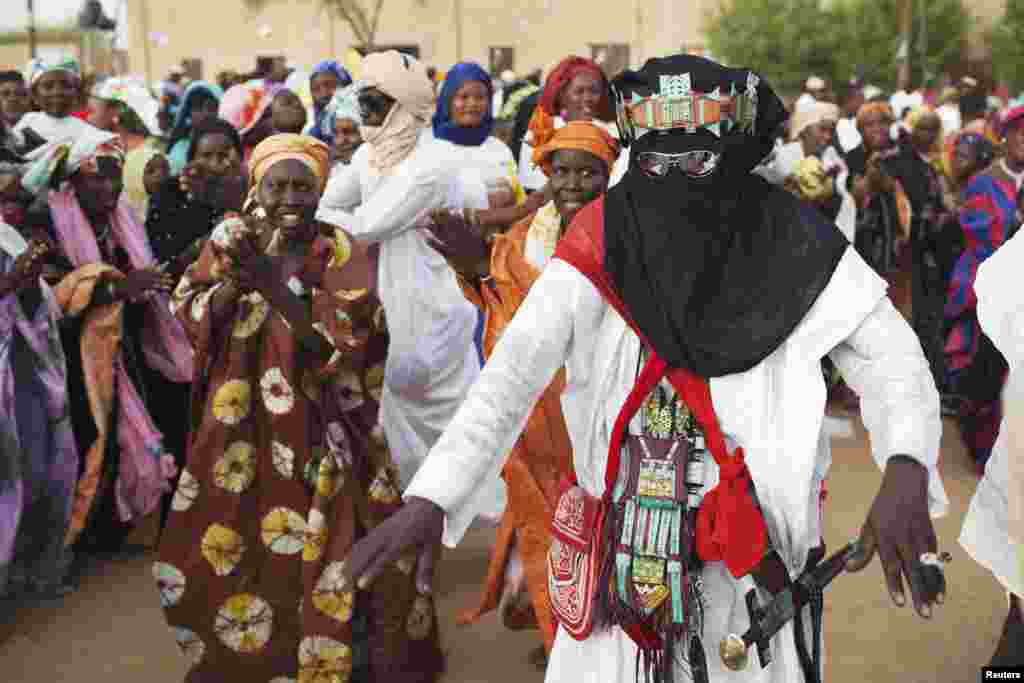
497, 277
285, 468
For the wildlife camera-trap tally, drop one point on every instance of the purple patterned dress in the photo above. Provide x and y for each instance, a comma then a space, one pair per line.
38, 456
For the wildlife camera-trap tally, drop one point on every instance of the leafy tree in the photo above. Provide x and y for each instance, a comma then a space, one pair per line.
1007, 46
789, 39
785, 40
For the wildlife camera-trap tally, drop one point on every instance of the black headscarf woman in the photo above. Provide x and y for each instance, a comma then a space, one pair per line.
716, 266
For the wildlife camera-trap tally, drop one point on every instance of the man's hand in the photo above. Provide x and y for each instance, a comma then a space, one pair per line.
416, 526
900, 529
460, 242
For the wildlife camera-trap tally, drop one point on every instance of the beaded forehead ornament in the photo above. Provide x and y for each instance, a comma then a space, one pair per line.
678, 106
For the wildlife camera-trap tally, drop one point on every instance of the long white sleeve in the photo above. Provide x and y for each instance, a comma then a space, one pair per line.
421, 184
882, 361
474, 448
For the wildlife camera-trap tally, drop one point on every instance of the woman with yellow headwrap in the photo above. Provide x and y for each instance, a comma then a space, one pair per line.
285, 467
578, 160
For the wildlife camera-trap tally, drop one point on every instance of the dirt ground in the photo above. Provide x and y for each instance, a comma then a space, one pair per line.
112, 630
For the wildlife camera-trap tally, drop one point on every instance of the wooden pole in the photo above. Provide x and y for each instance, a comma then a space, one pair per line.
906, 31
32, 29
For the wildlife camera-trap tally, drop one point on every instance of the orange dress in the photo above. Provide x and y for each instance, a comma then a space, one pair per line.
541, 456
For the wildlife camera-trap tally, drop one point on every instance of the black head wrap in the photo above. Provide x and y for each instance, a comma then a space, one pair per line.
717, 271
212, 127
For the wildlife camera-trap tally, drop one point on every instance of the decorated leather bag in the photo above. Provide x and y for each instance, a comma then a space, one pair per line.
574, 558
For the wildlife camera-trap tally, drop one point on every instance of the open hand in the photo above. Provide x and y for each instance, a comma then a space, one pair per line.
900, 529
139, 282
417, 525
460, 242
29, 265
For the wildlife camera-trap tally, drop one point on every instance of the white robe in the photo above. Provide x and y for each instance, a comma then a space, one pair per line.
50, 128
488, 164
432, 360
992, 528
774, 411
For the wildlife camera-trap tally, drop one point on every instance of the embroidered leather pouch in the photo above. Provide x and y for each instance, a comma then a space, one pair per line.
574, 559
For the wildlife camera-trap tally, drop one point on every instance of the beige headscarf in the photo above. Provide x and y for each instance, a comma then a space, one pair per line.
405, 79
810, 114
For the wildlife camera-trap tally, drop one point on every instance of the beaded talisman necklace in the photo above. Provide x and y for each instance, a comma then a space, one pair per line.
657, 573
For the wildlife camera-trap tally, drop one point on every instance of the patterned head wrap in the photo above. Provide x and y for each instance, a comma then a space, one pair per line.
582, 136
871, 109
132, 96
1010, 118
344, 105
57, 161
314, 154
244, 104
562, 75
542, 123
36, 68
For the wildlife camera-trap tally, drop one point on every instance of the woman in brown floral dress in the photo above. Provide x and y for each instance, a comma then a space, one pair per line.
286, 465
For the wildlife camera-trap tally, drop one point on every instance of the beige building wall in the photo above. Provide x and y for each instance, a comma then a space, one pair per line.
16, 55
225, 34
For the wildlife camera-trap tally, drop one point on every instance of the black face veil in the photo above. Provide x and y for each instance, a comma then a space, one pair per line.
716, 271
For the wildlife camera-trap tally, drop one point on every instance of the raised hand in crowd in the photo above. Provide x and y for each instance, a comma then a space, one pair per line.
140, 282
27, 267
462, 241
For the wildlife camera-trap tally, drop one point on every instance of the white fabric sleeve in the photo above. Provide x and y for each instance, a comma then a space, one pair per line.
397, 205
474, 447
883, 363
341, 196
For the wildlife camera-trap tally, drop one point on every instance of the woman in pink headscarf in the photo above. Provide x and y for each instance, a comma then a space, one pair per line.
123, 346
247, 107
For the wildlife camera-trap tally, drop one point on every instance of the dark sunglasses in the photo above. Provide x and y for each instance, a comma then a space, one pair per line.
374, 104
698, 163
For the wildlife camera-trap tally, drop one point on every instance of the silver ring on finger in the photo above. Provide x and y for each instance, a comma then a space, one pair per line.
934, 559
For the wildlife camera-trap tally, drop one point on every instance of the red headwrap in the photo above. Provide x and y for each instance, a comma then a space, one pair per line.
562, 75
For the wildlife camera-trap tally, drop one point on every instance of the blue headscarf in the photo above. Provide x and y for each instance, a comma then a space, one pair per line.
344, 105
319, 129
183, 117
181, 131
444, 127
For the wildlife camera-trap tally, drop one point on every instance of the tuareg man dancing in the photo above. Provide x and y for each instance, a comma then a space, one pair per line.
691, 308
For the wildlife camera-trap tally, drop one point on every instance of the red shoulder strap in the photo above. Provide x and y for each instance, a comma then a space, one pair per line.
731, 527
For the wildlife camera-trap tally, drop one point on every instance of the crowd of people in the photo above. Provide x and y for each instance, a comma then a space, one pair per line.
293, 332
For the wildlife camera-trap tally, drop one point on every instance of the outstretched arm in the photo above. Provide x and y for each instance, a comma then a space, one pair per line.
450, 485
